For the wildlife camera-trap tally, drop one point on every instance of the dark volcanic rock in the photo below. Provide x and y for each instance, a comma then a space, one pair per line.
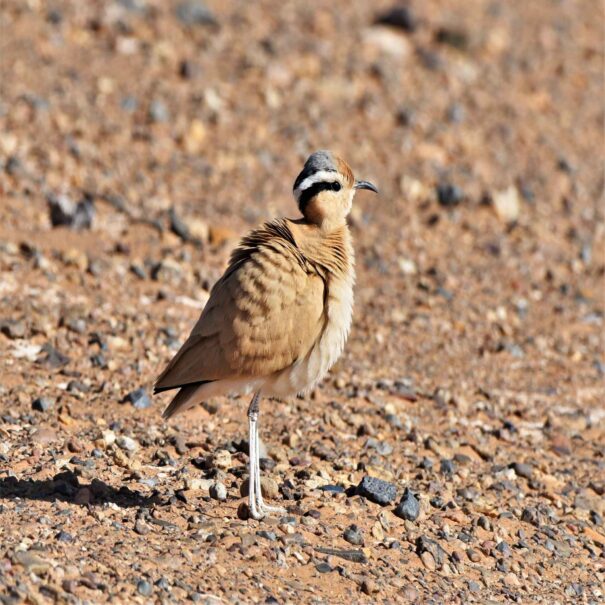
409, 507
65, 212
139, 399
42, 404
377, 490
398, 16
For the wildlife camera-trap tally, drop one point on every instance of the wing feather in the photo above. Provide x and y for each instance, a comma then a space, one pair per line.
263, 314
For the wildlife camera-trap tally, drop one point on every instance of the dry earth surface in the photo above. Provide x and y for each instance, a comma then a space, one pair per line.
140, 138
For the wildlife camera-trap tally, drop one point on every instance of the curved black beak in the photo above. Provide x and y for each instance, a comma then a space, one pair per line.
365, 185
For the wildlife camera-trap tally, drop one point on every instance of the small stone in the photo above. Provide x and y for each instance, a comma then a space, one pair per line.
400, 17
127, 443
511, 580
138, 398
323, 568
457, 38
64, 536
473, 555
504, 549
410, 594
447, 467
523, 470
13, 328
158, 112
268, 486
194, 12
141, 528
65, 212
52, 358
267, 535
409, 507
507, 204
369, 586
218, 491
243, 512
377, 490
353, 535
426, 545
43, 404
222, 459
474, 586
44, 436
428, 561
449, 195
144, 588
177, 226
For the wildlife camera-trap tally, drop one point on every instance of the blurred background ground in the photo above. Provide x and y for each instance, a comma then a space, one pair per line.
139, 139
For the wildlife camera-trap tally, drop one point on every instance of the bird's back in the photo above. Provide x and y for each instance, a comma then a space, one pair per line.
265, 313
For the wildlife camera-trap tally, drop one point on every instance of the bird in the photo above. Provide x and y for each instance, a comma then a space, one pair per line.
278, 318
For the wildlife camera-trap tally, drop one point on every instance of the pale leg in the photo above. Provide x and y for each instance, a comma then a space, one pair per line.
253, 468
264, 508
258, 509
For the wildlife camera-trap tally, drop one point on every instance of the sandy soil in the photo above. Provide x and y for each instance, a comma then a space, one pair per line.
474, 374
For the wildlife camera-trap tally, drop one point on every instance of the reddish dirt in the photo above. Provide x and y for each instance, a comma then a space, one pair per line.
474, 373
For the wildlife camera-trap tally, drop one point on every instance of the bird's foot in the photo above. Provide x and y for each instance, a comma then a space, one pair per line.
258, 509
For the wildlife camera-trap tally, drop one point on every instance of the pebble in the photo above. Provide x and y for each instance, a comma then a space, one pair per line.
127, 443
504, 549
268, 486
141, 528
138, 398
353, 535
194, 12
52, 358
222, 459
377, 490
13, 328
507, 204
400, 17
144, 588
64, 212
426, 546
43, 404
409, 507
449, 195
428, 561
369, 586
523, 470
218, 491
455, 37
447, 467
64, 536
158, 112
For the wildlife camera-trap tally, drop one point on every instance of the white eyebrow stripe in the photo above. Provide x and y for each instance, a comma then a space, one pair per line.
318, 177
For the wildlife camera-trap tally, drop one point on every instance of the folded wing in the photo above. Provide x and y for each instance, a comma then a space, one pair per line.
266, 312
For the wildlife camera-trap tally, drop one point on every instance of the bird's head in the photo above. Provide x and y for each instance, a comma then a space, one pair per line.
325, 188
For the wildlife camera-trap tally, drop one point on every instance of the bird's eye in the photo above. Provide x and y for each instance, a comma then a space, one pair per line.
335, 186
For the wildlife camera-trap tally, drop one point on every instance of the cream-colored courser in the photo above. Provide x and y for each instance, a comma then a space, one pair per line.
278, 319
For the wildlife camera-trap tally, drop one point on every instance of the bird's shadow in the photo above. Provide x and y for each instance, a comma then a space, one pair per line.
65, 487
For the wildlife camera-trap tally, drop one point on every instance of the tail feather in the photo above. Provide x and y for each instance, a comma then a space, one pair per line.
181, 401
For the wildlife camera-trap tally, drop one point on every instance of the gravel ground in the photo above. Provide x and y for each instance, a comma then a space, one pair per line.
456, 453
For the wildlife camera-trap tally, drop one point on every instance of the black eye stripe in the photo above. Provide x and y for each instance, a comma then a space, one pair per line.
311, 192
